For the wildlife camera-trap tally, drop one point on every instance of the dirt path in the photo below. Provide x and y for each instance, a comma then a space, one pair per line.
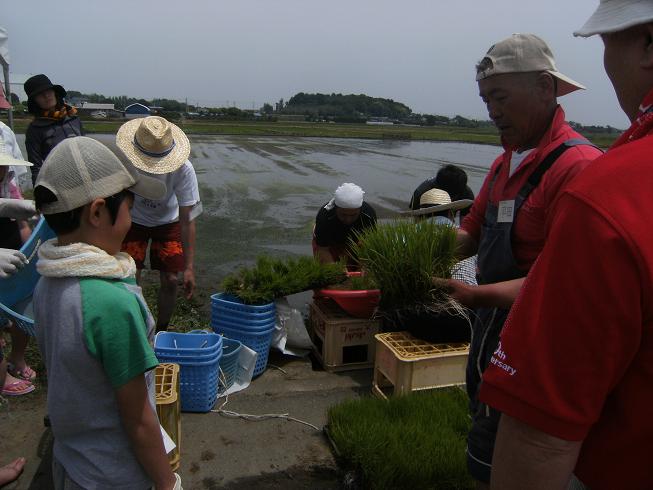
220, 452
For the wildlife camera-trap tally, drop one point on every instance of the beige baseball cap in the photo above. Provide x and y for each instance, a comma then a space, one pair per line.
79, 170
523, 53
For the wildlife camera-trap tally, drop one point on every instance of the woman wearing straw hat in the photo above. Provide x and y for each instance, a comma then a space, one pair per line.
159, 148
54, 120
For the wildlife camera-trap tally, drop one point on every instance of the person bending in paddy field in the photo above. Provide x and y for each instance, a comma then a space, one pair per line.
160, 149
338, 221
93, 327
449, 178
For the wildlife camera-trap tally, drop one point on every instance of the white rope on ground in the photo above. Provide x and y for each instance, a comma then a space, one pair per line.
278, 368
255, 418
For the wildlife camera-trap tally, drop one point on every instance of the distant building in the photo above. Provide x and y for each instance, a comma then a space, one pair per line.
136, 110
379, 121
76, 101
91, 106
99, 110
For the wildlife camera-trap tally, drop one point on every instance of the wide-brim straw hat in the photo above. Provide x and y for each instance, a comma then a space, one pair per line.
153, 144
436, 201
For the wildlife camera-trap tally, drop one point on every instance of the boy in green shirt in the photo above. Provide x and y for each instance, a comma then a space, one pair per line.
93, 326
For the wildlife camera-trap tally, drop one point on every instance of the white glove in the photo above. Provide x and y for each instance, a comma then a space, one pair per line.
177, 483
17, 208
11, 261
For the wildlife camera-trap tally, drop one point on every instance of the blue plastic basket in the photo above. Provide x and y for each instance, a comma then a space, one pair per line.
244, 325
198, 384
175, 356
187, 344
16, 290
217, 310
257, 341
227, 301
229, 361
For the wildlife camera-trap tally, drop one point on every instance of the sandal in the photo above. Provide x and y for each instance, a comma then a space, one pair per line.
27, 373
17, 388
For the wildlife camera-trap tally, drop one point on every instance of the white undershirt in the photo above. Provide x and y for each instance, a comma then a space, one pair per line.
517, 158
182, 190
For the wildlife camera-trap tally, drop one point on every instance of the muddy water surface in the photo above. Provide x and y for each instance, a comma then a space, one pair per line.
261, 194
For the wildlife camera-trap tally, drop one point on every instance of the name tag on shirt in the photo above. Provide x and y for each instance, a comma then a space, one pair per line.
506, 211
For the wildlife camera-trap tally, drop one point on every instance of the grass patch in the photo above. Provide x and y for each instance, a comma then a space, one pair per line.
188, 315
274, 278
401, 258
483, 135
415, 441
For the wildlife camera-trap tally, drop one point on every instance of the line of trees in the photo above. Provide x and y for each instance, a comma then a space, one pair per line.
122, 101
338, 105
314, 107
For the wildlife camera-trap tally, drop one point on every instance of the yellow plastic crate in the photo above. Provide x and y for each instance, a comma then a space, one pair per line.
341, 342
404, 364
168, 406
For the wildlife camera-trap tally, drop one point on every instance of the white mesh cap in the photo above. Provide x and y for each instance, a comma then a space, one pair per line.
79, 170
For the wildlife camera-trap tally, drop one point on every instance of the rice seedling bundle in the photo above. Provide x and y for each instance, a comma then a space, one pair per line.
272, 278
415, 441
402, 257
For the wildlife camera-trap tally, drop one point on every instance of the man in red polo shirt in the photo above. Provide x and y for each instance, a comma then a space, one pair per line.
519, 83
573, 374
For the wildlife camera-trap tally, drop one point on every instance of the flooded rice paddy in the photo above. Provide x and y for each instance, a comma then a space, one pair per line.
261, 194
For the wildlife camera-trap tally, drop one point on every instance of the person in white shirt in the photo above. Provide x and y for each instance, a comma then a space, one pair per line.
159, 148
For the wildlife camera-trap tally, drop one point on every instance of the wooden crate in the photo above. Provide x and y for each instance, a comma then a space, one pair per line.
341, 342
404, 364
168, 406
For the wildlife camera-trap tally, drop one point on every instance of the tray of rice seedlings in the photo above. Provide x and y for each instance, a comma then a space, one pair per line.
402, 258
415, 441
274, 278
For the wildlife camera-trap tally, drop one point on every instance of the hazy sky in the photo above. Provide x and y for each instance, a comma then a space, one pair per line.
213, 52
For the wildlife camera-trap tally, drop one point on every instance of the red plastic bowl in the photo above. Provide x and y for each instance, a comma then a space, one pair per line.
360, 303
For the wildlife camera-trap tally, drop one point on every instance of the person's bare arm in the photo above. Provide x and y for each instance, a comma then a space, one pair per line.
188, 244
25, 230
323, 255
500, 294
142, 428
525, 457
466, 245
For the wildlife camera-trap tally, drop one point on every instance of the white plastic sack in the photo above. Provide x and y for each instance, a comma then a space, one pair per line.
290, 336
